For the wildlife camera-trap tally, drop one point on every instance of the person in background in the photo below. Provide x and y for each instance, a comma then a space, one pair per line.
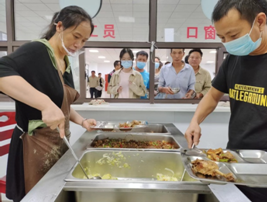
241, 26
127, 83
38, 76
93, 82
203, 79
186, 59
158, 66
141, 60
100, 86
117, 66
177, 75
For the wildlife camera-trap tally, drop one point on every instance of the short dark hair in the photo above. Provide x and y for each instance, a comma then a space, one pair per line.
99, 73
69, 16
195, 50
177, 48
142, 53
186, 58
248, 9
116, 63
167, 62
127, 50
92, 71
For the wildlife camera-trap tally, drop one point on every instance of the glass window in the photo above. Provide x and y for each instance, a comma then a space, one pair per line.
183, 78
2, 53
3, 35
75, 67
185, 21
117, 20
103, 60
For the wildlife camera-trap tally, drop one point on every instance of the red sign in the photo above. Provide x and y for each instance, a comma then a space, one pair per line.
109, 31
94, 35
209, 32
192, 32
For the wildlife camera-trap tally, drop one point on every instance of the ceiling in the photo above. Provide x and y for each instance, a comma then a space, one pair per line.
33, 16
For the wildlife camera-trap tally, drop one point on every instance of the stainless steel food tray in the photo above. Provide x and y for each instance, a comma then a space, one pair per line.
110, 126
143, 167
245, 174
137, 137
254, 156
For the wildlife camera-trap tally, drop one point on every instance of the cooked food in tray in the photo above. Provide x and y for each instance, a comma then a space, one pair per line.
221, 156
123, 143
130, 124
210, 169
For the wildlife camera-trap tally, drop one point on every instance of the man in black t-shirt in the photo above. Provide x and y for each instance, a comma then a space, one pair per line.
241, 25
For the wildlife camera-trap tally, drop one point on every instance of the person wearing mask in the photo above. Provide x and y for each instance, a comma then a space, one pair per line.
241, 26
127, 83
117, 66
203, 79
141, 60
101, 85
93, 83
177, 75
38, 77
158, 65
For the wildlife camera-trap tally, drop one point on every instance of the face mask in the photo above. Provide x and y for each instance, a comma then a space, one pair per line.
156, 65
242, 46
77, 53
140, 64
127, 64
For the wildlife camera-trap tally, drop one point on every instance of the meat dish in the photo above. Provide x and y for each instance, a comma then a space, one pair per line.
220, 156
210, 169
123, 143
130, 124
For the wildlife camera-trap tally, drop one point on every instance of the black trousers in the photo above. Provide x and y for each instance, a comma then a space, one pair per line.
93, 92
99, 93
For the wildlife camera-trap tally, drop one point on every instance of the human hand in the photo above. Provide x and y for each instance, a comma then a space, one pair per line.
193, 134
167, 90
88, 123
120, 89
199, 96
53, 117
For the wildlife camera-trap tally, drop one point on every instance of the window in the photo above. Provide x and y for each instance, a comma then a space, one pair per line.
3, 36
184, 21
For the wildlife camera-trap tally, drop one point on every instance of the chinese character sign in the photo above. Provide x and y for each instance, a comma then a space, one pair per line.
108, 31
209, 32
192, 32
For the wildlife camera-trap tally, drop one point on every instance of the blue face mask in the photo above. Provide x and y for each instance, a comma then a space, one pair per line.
140, 64
156, 65
127, 64
242, 46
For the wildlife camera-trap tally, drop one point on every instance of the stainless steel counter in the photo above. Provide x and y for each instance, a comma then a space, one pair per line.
52, 186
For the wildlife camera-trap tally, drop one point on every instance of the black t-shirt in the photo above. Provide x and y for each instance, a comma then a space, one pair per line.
244, 78
32, 62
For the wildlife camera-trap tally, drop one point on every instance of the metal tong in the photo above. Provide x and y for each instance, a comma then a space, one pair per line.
74, 155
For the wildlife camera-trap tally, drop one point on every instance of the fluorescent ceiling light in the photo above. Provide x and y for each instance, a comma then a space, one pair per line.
101, 57
106, 61
48, 18
126, 19
93, 50
135, 51
210, 62
213, 52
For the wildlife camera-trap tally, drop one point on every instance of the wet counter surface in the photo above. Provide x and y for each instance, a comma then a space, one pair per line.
53, 187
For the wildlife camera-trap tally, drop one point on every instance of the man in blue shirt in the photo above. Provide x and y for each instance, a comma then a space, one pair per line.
177, 74
141, 60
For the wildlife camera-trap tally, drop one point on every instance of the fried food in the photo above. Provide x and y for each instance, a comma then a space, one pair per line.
220, 156
123, 143
131, 124
209, 168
